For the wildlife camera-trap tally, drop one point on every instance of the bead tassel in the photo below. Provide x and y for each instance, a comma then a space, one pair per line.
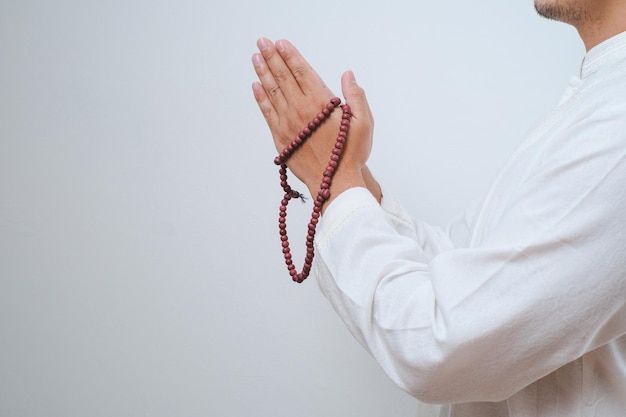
324, 193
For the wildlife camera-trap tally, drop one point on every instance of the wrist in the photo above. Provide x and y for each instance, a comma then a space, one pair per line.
343, 180
372, 185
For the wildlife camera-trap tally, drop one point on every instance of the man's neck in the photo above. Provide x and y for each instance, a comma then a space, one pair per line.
608, 23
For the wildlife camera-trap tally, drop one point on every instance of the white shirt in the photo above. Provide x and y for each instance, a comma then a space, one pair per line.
518, 309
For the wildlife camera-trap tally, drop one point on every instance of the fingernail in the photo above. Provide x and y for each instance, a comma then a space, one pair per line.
262, 44
257, 60
280, 46
351, 77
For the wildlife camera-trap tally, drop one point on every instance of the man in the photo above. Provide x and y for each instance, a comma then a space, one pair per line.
517, 309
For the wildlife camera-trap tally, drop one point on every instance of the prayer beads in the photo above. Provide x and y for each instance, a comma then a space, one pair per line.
324, 192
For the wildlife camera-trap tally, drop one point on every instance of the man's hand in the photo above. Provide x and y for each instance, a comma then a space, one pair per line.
290, 94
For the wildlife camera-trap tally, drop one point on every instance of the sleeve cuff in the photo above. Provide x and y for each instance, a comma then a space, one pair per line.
340, 209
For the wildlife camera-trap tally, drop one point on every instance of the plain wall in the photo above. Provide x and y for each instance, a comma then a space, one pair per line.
140, 267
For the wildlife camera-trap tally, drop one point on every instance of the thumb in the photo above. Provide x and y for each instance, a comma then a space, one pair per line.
355, 97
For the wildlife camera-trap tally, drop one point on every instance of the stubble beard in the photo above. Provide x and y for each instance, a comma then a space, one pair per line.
571, 12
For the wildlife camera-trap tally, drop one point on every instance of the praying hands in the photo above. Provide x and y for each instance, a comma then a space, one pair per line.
290, 94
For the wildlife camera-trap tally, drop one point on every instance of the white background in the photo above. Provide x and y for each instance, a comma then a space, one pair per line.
140, 268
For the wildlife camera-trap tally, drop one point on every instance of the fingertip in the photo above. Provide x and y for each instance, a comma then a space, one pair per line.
355, 95
257, 90
257, 60
349, 77
263, 44
349, 84
281, 45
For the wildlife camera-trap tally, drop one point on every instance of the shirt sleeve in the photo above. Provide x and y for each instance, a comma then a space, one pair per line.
432, 239
466, 324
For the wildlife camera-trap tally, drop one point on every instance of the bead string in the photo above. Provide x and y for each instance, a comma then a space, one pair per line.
322, 195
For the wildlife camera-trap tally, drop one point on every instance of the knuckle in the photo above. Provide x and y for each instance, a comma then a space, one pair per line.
267, 113
269, 54
281, 76
274, 91
359, 92
299, 72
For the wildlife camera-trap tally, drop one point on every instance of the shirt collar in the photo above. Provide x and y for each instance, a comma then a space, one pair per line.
603, 54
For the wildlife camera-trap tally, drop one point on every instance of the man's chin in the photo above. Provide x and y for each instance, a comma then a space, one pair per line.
566, 13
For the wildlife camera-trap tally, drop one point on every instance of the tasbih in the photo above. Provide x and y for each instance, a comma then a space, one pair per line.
322, 195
